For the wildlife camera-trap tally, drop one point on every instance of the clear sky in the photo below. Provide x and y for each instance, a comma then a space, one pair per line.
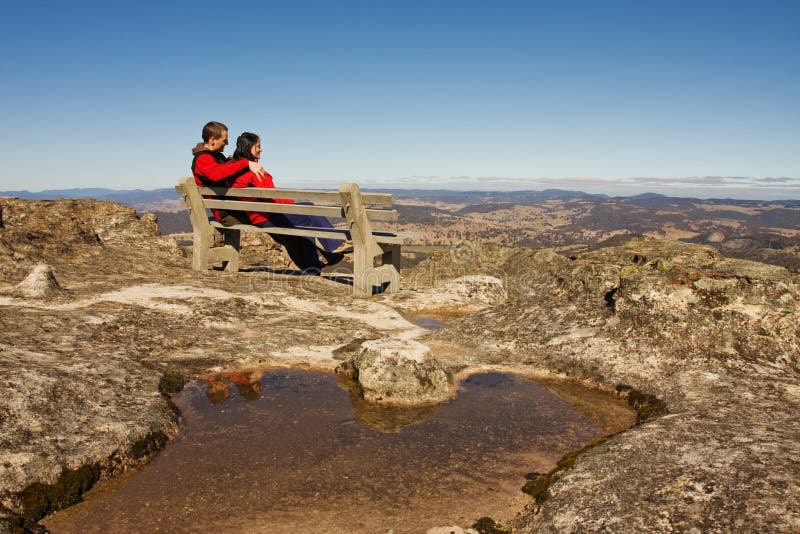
609, 96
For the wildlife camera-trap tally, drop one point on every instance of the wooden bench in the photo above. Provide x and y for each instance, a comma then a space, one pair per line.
214, 243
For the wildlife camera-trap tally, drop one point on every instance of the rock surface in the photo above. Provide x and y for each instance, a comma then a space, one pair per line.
715, 341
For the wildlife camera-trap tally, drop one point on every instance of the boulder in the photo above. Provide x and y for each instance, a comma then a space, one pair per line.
41, 282
395, 371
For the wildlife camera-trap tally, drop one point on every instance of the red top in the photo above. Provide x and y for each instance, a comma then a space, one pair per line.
214, 169
250, 179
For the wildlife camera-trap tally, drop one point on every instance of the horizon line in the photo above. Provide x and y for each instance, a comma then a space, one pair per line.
444, 188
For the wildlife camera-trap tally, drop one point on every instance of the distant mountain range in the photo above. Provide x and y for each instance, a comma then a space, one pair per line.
170, 193
168, 200
141, 198
156, 199
761, 230
130, 197
450, 195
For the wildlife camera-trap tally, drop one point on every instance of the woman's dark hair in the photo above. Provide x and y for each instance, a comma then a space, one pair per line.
244, 143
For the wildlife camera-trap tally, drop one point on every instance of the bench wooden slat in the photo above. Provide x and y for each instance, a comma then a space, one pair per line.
319, 197
304, 231
301, 209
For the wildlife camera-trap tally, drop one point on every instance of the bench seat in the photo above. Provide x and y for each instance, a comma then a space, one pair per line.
308, 231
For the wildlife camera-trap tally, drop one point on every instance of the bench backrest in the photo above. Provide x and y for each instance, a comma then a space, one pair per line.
326, 203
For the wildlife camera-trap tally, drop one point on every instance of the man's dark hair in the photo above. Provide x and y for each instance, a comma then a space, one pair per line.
213, 129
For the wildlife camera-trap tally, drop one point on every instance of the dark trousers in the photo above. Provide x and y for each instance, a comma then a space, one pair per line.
302, 250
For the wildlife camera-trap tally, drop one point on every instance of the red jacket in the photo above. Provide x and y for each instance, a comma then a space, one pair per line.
250, 179
214, 169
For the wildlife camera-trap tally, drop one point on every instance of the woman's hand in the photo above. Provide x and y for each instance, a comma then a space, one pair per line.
257, 169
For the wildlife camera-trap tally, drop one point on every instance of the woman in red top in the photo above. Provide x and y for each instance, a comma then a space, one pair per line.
302, 250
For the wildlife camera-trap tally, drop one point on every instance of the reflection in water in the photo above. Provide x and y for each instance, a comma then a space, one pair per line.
384, 418
218, 387
297, 453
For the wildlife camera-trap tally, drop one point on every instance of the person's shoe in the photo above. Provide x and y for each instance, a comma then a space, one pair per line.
332, 258
344, 249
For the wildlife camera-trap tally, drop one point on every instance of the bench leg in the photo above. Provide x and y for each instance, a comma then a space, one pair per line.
227, 255
377, 276
204, 255
362, 264
391, 258
366, 275
201, 244
364, 281
231, 240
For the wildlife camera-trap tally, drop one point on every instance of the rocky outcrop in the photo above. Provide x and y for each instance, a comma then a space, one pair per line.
452, 297
77, 237
69, 419
716, 340
710, 345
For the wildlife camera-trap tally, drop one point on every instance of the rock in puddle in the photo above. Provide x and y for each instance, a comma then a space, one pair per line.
394, 371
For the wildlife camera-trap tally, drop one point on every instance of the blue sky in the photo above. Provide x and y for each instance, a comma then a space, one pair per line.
618, 97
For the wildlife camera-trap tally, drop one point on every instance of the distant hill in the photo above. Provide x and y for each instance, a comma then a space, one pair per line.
472, 197
143, 199
130, 197
645, 196
168, 200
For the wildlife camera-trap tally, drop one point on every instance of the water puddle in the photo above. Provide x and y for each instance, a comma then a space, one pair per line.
428, 322
295, 451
